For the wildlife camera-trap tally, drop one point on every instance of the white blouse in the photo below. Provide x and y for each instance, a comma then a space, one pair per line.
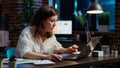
27, 43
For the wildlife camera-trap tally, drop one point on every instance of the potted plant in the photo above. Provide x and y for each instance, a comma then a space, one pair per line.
114, 50
2, 56
24, 16
26, 12
12, 62
103, 22
80, 18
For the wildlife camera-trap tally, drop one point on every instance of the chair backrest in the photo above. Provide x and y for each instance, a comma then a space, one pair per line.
10, 51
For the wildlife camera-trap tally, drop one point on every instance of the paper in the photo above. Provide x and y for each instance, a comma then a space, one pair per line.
43, 62
36, 62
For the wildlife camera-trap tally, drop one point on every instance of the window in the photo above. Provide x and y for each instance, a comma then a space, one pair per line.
109, 6
67, 7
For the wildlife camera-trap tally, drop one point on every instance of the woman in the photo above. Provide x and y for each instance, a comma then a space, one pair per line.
37, 41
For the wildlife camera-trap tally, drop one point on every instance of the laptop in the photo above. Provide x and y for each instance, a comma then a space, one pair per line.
85, 51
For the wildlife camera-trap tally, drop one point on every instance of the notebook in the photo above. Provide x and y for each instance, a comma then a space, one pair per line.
85, 51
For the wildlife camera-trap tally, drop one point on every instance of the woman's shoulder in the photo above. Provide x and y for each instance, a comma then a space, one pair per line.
26, 32
27, 29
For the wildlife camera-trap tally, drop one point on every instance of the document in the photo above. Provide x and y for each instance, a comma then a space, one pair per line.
36, 62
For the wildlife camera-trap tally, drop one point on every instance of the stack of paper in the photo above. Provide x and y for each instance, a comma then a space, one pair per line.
36, 62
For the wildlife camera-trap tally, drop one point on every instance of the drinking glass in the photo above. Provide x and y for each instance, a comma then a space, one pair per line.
106, 50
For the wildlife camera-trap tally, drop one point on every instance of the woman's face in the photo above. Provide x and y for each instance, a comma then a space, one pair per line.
50, 23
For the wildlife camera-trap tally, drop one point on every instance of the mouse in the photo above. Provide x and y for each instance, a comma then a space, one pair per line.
59, 60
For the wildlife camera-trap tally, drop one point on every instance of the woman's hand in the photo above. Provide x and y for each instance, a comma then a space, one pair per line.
72, 49
54, 57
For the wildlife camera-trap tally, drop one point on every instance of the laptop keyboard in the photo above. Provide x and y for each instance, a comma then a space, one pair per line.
68, 56
71, 56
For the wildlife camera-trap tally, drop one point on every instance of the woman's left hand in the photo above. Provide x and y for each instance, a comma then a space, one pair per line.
54, 57
72, 49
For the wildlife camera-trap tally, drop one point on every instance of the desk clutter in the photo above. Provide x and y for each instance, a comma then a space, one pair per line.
97, 53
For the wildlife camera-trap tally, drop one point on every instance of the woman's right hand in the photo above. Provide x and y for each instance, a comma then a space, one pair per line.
72, 49
54, 57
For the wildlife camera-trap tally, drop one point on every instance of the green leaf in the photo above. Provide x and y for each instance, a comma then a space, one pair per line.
104, 18
80, 17
2, 56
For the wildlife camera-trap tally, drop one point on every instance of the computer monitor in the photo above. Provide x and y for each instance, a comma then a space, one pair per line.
63, 28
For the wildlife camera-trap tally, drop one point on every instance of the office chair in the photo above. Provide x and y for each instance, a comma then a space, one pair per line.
10, 51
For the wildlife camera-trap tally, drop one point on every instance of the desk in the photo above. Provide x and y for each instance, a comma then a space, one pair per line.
82, 63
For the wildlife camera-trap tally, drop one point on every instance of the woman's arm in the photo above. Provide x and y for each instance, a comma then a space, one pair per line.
70, 49
32, 55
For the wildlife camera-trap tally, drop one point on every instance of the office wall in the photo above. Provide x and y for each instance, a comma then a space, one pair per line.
12, 8
117, 32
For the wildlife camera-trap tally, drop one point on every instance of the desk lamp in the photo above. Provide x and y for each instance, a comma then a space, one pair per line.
93, 8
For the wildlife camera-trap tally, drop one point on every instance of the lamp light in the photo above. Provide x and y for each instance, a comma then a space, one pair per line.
94, 8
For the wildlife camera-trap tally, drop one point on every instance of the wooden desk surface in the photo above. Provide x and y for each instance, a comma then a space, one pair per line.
88, 61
